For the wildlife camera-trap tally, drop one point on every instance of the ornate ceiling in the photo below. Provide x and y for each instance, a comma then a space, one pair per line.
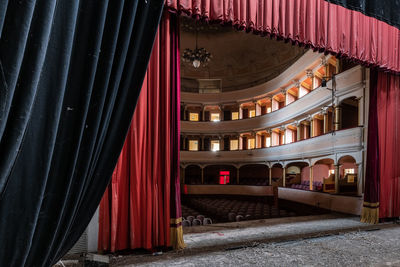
240, 59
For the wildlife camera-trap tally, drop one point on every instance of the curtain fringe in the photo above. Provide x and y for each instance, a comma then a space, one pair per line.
370, 213
177, 234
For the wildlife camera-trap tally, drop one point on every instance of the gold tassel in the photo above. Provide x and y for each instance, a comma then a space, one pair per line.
177, 234
370, 213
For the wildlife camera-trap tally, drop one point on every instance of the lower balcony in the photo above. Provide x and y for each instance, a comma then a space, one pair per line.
343, 141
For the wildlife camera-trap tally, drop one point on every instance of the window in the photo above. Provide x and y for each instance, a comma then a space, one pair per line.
348, 171
214, 145
251, 142
193, 116
214, 116
234, 144
252, 113
331, 172
269, 110
193, 145
268, 141
235, 115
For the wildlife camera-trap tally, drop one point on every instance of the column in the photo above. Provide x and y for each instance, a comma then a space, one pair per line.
360, 179
183, 175
202, 113
284, 92
202, 142
337, 176
312, 127
337, 119
283, 176
202, 175
221, 142
221, 113
240, 112
237, 175
257, 108
184, 112
298, 126
184, 142
311, 177
270, 175
326, 122
310, 75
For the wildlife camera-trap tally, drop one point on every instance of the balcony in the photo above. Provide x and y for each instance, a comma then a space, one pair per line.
349, 83
343, 141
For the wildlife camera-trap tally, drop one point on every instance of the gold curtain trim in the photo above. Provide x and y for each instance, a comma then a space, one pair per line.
370, 213
371, 205
177, 237
176, 220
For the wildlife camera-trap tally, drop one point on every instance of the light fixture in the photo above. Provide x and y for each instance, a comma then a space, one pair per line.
198, 56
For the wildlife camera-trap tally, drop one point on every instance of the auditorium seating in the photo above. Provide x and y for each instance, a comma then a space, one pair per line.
305, 185
231, 210
192, 217
253, 181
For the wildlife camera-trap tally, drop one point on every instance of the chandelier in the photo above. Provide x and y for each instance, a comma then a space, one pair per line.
198, 56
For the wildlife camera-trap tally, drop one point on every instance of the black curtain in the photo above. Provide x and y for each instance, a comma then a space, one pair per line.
70, 76
384, 10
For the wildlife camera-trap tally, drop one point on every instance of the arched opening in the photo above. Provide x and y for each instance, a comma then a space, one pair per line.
293, 175
277, 175
213, 173
349, 113
193, 174
253, 174
321, 176
348, 175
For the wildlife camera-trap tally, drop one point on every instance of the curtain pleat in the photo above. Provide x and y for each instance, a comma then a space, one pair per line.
316, 23
382, 180
144, 208
70, 75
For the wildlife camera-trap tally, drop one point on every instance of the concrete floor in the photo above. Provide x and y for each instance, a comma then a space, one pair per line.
325, 240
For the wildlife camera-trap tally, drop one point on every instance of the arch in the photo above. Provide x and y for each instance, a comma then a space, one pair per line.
349, 108
193, 174
211, 173
348, 164
254, 174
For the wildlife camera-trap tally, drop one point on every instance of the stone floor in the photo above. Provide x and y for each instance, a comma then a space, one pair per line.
326, 240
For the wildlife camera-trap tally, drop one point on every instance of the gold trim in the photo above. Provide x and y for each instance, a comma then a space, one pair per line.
370, 213
177, 237
175, 220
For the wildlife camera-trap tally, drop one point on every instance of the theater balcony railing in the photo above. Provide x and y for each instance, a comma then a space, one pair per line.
349, 83
343, 141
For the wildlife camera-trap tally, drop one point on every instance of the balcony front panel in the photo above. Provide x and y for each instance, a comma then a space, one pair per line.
347, 82
307, 61
343, 141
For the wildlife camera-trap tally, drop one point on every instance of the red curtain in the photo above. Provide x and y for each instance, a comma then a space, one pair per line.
315, 23
388, 110
141, 207
382, 180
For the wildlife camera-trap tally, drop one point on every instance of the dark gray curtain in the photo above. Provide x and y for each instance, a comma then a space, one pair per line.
70, 76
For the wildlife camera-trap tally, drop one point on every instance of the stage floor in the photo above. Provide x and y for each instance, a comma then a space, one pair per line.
236, 244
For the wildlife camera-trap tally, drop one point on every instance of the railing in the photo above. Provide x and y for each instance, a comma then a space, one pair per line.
346, 83
343, 141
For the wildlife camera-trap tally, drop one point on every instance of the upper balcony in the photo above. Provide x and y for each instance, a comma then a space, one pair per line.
309, 60
343, 141
348, 83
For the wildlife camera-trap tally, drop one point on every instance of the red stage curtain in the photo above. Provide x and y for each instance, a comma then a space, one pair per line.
388, 109
315, 23
382, 183
141, 207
